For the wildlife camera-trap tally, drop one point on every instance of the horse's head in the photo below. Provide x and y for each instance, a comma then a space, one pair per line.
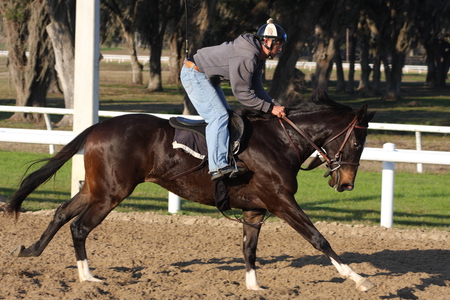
344, 151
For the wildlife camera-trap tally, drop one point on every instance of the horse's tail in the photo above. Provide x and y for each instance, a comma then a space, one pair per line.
43, 174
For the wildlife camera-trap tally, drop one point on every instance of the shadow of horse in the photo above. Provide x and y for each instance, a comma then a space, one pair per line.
434, 262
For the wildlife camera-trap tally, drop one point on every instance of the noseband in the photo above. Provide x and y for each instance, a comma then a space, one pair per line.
332, 164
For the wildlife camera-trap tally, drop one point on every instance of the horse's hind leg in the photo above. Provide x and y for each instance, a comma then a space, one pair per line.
63, 214
87, 220
252, 227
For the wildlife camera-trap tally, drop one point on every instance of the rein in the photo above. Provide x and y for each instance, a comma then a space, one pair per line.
330, 162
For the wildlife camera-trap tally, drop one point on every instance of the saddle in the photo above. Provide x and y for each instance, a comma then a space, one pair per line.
235, 126
190, 136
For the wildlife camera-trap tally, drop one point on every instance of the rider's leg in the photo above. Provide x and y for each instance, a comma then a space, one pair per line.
211, 104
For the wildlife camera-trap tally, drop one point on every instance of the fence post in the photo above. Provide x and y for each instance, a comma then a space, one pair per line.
419, 148
48, 124
86, 77
387, 190
174, 203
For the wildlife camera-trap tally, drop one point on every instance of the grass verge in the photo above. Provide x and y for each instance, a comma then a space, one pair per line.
420, 200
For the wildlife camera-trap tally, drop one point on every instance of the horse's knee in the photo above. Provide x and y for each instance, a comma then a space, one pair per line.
320, 243
77, 228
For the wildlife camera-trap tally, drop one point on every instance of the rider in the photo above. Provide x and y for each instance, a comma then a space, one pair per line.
240, 62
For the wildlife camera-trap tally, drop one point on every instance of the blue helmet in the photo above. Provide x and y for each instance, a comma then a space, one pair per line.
271, 31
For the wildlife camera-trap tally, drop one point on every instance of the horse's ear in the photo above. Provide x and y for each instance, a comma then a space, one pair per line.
370, 116
363, 116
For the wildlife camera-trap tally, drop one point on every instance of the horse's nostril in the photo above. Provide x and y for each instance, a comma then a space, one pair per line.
348, 187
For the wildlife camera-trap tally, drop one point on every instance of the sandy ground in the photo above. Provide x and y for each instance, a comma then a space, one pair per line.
150, 256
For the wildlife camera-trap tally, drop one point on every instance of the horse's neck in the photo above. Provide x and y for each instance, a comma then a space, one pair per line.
322, 126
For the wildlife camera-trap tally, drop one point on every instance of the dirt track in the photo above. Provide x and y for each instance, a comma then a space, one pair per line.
149, 256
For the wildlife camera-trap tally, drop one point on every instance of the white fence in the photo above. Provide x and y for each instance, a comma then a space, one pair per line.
388, 155
270, 64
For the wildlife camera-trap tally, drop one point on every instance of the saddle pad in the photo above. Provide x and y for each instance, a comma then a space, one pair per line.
191, 142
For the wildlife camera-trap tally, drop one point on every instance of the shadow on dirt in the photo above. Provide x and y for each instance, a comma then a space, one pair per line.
388, 262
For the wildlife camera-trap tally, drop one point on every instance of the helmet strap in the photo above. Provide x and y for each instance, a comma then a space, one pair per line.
269, 55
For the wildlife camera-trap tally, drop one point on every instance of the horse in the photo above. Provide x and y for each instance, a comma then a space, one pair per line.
124, 151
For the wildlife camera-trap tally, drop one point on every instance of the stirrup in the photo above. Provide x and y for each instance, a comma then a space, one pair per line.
237, 169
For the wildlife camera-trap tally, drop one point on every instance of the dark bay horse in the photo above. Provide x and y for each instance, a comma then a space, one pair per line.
124, 151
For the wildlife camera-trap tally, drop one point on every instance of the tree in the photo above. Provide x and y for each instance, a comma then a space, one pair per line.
154, 17
176, 38
402, 38
25, 23
298, 21
323, 56
433, 27
62, 33
125, 14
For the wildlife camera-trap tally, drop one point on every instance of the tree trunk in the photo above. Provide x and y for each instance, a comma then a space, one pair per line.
387, 72
376, 81
62, 34
364, 82
155, 80
136, 66
17, 59
438, 62
283, 86
64, 65
324, 63
32, 75
431, 78
393, 92
158, 25
340, 83
352, 61
175, 57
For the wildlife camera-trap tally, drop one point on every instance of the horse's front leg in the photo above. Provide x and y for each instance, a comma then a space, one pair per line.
252, 227
296, 217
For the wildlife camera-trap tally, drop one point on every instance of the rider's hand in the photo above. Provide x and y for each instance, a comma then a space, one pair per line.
278, 111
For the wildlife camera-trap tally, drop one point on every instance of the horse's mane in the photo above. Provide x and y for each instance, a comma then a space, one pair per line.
319, 101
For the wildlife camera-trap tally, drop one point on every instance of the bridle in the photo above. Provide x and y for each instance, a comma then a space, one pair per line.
332, 164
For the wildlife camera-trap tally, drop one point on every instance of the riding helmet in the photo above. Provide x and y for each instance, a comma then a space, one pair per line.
272, 31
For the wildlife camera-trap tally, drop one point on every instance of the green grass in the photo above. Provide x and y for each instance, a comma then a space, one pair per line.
420, 200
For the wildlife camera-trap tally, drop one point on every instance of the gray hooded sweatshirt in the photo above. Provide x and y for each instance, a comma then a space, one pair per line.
239, 63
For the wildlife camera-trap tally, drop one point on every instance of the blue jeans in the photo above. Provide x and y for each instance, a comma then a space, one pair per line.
212, 106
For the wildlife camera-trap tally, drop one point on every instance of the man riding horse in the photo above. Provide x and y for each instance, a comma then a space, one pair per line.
240, 62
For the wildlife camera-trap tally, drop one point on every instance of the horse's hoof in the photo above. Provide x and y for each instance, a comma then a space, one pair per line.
365, 286
255, 288
93, 279
16, 252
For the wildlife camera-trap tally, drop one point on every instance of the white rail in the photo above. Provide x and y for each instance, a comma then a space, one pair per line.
388, 155
270, 64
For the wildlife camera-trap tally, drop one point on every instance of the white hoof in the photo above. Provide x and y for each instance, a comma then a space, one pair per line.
254, 288
85, 273
93, 279
364, 285
251, 281
16, 252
